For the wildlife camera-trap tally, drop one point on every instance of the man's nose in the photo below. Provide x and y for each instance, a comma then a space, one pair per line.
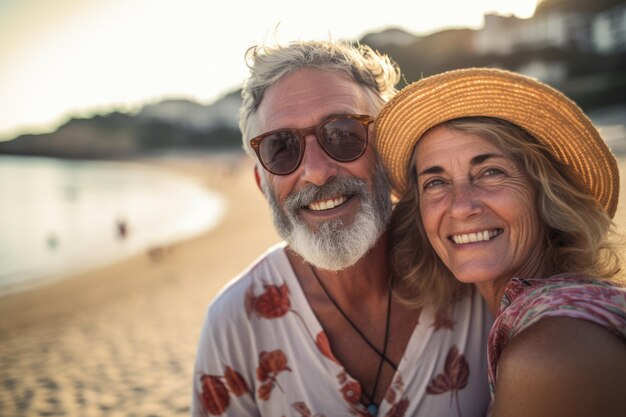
317, 167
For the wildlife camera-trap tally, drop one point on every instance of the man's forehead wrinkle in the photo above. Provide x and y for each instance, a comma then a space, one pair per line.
304, 98
282, 116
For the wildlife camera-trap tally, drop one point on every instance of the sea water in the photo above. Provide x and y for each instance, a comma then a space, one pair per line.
61, 216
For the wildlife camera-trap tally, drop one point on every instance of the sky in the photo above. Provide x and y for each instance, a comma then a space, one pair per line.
75, 58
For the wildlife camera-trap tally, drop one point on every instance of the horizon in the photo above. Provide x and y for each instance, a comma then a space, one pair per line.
75, 59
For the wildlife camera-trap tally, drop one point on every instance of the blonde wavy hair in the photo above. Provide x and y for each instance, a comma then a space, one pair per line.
579, 237
376, 72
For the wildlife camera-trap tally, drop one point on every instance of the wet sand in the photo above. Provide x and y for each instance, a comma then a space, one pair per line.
121, 340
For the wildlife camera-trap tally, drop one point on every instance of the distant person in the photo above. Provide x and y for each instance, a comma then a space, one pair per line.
506, 185
122, 229
313, 326
52, 240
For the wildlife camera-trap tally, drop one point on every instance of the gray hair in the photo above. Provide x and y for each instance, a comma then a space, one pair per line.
376, 72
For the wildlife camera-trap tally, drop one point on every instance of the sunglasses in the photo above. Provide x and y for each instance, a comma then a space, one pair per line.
343, 138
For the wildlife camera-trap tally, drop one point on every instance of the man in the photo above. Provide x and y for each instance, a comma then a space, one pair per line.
313, 328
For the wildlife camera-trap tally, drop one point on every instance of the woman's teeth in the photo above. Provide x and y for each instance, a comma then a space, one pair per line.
327, 204
475, 237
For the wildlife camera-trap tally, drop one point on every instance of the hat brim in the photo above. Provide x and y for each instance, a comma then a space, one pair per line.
547, 114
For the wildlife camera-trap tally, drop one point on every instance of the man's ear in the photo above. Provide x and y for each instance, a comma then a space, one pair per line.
257, 177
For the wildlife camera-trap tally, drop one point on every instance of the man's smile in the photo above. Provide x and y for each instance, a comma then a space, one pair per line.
327, 204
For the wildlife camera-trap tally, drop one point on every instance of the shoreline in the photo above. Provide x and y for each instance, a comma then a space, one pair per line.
222, 174
63, 217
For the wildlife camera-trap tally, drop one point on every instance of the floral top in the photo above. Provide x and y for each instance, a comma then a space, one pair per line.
527, 301
263, 352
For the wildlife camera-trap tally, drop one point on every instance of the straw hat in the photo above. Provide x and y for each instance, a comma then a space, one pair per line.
544, 112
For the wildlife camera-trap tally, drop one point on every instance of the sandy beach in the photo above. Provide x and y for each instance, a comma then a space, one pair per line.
121, 340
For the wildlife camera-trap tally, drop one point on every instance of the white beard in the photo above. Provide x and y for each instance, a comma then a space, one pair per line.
334, 246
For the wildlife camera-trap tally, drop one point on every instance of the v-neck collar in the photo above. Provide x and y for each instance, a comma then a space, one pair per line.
412, 353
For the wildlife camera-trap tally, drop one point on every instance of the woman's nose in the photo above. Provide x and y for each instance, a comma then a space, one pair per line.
465, 200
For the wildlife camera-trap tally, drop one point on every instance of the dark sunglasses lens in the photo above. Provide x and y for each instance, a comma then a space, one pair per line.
280, 152
344, 139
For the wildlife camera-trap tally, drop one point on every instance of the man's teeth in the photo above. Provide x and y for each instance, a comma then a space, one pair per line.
327, 204
475, 237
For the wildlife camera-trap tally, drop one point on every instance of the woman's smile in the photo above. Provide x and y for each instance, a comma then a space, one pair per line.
473, 237
477, 206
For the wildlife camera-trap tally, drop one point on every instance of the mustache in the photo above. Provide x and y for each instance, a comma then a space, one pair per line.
337, 186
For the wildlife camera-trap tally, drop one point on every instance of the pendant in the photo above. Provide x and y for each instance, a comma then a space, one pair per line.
372, 409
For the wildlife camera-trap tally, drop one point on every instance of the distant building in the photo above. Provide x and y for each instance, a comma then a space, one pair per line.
193, 115
553, 73
601, 32
609, 30
505, 34
389, 37
497, 35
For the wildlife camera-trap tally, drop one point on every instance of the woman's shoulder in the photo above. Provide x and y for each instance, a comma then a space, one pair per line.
566, 286
567, 362
527, 301
530, 308
559, 341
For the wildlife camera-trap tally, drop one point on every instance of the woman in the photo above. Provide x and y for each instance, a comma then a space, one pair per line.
505, 186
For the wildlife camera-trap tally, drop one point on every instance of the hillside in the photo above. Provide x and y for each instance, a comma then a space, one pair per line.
159, 127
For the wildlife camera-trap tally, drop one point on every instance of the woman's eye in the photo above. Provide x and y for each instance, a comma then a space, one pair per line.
432, 183
493, 171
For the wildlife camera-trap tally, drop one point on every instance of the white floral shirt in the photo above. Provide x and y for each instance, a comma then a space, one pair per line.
262, 352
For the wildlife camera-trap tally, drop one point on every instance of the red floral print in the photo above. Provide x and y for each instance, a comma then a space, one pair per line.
342, 377
272, 303
351, 392
390, 396
395, 392
398, 409
235, 381
249, 300
215, 397
304, 410
453, 379
215, 394
442, 321
323, 344
265, 391
270, 365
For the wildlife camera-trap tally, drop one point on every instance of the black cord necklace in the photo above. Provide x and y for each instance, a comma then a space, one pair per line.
372, 408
